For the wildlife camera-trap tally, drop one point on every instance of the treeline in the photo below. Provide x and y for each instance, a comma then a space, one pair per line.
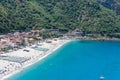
66, 15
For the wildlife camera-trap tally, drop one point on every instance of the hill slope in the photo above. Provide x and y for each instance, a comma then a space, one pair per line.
111, 4
88, 15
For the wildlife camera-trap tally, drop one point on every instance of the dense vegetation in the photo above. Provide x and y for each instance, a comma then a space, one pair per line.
90, 16
111, 4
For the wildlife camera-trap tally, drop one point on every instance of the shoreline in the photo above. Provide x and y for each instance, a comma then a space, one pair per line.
97, 39
60, 44
36, 60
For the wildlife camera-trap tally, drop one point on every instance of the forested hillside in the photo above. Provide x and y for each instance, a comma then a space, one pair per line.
91, 16
111, 4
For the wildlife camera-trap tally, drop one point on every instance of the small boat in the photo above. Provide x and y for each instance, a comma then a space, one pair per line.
102, 78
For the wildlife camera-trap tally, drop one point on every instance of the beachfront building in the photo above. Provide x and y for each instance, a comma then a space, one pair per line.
18, 39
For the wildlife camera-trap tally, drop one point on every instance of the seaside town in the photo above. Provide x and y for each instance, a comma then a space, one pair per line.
59, 39
17, 38
20, 49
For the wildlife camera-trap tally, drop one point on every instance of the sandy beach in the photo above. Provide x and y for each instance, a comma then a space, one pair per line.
31, 56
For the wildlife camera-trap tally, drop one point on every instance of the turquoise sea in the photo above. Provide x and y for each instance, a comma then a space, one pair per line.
77, 60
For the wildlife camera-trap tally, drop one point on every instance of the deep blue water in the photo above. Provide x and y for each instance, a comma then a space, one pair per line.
77, 60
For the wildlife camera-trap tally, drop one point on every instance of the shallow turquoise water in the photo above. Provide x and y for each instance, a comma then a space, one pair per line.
77, 60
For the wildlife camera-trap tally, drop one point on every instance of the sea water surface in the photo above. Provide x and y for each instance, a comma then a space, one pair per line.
77, 60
